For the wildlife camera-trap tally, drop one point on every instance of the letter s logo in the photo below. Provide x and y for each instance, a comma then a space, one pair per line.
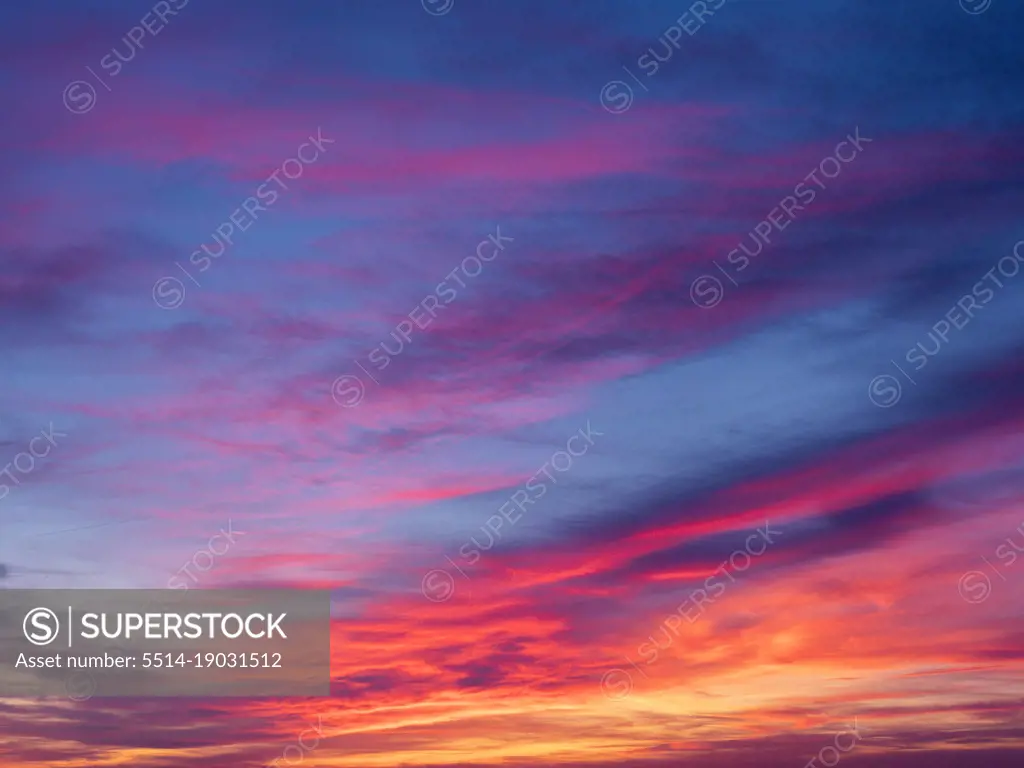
44, 626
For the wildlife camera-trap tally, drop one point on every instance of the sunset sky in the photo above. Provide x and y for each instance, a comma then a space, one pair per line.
645, 382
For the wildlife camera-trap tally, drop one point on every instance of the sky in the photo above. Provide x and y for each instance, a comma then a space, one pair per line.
643, 380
